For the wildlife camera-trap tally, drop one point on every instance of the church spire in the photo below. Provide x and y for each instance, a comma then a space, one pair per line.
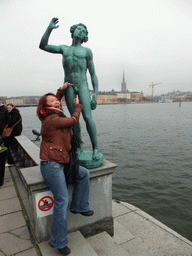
123, 78
123, 84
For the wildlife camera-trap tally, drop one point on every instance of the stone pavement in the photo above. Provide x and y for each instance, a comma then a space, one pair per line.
141, 235
135, 232
15, 237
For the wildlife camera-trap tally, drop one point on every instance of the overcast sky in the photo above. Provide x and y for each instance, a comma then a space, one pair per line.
148, 40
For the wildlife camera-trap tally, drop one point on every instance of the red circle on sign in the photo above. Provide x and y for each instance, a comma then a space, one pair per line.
45, 203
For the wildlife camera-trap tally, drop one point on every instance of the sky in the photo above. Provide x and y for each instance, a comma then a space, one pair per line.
149, 40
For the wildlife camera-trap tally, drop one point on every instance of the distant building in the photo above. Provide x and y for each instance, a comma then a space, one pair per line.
106, 97
136, 96
188, 97
15, 101
123, 85
123, 95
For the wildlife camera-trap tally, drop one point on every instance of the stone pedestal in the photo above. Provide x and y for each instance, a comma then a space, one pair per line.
86, 159
100, 202
33, 192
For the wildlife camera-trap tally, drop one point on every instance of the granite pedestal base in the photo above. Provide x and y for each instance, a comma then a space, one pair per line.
32, 186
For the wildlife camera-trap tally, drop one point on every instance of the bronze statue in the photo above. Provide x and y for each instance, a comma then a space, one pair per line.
76, 60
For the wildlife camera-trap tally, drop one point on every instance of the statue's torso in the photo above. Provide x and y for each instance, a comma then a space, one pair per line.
75, 64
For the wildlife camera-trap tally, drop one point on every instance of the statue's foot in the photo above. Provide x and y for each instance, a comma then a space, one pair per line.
90, 159
96, 154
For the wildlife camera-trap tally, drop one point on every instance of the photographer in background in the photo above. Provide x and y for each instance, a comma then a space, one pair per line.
14, 117
4, 117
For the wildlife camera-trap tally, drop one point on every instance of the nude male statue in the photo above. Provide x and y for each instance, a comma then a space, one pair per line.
76, 60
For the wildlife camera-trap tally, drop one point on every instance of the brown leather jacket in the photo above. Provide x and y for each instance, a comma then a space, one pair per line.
56, 135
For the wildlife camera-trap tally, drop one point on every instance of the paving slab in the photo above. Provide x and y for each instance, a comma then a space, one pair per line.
47, 250
7, 180
7, 183
29, 252
157, 240
163, 226
136, 247
129, 206
103, 245
119, 209
7, 192
121, 235
11, 244
22, 232
7, 173
9, 206
77, 243
11, 221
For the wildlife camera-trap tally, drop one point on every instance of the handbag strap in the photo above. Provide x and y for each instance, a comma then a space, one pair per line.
16, 123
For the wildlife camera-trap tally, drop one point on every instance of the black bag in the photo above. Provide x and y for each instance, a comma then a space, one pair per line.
71, 168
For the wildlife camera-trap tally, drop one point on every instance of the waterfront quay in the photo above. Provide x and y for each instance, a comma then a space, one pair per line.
135, 233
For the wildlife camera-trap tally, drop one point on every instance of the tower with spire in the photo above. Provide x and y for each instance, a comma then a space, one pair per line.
123, 84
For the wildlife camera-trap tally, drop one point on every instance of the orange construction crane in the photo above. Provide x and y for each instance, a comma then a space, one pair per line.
152, 85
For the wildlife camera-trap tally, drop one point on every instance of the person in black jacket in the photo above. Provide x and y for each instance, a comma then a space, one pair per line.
4, 117
14, 116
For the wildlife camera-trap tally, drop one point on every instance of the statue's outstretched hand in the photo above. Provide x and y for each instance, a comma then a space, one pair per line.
93, 102
53, 23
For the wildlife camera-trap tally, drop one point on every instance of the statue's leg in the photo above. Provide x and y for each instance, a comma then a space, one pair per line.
70, 95
85, 100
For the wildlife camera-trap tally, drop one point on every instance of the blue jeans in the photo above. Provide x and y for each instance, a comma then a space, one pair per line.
53, 174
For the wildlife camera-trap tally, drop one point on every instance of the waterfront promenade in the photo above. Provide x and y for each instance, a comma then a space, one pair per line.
135, 232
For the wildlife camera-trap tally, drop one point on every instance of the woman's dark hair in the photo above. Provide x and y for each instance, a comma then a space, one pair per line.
43, 102
10, 104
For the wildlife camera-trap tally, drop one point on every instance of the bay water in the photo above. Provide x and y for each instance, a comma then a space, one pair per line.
151, 144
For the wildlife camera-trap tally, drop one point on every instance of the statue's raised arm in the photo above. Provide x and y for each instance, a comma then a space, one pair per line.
44, 40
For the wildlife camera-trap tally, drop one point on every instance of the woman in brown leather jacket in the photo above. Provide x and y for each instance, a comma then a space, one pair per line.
54, 154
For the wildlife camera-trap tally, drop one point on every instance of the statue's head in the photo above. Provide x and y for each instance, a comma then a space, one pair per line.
73, 28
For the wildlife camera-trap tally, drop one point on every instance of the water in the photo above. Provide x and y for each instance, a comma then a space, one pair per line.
151, 144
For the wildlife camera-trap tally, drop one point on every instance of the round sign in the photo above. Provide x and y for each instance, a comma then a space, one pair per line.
45, 203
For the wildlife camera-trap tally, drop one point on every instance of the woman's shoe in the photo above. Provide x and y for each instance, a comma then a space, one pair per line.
65, 250
8, 165
87, 214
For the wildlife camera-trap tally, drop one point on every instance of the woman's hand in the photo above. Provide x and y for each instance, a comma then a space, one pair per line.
76, 100
65, 85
